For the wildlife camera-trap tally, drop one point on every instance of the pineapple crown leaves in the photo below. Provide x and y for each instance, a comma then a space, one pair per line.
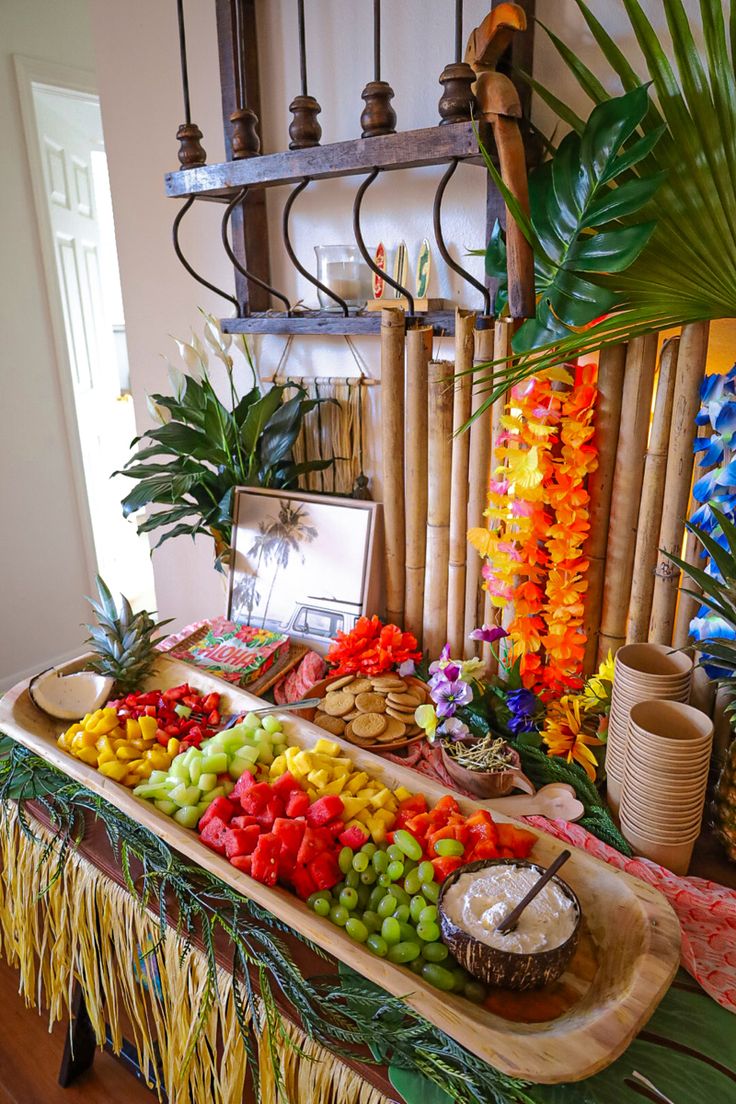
123, 641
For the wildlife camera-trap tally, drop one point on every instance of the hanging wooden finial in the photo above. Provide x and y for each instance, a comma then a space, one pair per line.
378, 115
304, 130
457, 101
189, 135
245, 139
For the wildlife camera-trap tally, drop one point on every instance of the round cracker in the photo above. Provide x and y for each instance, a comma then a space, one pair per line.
394, 730
333, 725
350, 735
338, 684
360, 685
406, 717
389, 685
370, 703
369, 725
337, 703
408, 698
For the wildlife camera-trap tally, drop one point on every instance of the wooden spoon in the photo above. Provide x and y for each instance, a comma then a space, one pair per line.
556, 801
508, 924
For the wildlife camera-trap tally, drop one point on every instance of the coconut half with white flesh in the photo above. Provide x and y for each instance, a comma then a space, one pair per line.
69, 697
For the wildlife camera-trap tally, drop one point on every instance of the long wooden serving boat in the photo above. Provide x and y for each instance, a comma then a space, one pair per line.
634, 936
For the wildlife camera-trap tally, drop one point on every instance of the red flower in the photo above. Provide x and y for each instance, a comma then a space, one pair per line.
372, 648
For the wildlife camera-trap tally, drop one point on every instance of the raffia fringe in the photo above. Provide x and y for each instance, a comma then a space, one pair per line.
83, 927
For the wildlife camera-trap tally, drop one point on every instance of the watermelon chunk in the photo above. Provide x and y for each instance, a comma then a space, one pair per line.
297, 803
273, 809
286, 785
242, 863
324, 870
245, 782
241, 841
213, 834
242, 821
315, 841
324, 809
290, 833
303, 882
353, 837
255, 799
221, 807
265, 859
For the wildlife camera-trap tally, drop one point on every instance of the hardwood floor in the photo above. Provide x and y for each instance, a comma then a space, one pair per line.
30, 1059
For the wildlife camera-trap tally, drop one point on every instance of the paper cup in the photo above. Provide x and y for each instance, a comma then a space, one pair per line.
670, 812
671, 722
613, 792
675, 857
660, 829
653, 659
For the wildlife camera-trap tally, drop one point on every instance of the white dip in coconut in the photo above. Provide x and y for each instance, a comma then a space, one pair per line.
479, 901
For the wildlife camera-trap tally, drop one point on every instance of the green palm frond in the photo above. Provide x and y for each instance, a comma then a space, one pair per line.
687, 271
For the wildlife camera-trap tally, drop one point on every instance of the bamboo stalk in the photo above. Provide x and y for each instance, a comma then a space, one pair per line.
505, 328
439, 456
687, 605
652, 490
600, 485
690, 370
392, 432
636, 401
418, 355
479, 469
464, 344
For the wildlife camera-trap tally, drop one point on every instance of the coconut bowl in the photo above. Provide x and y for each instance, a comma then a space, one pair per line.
507, 969
487, 784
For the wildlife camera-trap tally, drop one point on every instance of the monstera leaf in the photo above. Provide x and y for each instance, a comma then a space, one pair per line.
583, 202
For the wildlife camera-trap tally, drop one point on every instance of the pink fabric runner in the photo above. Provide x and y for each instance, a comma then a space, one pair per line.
706, 910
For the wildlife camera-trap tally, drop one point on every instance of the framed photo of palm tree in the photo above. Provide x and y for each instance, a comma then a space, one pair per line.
304, 564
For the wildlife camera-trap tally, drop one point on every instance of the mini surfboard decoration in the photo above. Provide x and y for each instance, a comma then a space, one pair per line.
379, 284
424, 264
401, 267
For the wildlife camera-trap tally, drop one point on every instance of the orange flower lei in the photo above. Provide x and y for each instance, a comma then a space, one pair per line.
538, 523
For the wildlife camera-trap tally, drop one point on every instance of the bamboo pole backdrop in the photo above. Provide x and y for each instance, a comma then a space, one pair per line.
502, 342
459, 552
652, 491
392, 426
687, 605
636, 402
418, 354
479, 470
600, 485
690, 370
439, 456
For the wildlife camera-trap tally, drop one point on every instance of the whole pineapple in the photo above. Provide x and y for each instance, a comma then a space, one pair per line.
123, 641
725, 803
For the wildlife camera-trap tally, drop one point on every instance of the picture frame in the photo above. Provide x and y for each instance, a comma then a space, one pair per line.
304, 564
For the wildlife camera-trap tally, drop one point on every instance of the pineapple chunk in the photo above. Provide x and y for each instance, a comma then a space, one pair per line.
88, 755
352, 806
116, 770
357, 782
334, 787
303, 762
384, 816
318, 778
291, 753
132, 729
313, 795
326, 747
401, 794
342, 766
380, 799
278, 767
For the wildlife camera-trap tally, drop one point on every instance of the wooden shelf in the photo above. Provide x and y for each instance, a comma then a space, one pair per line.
405, 150
330, 322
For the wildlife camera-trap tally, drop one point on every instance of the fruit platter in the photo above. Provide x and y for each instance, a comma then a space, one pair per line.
352, 851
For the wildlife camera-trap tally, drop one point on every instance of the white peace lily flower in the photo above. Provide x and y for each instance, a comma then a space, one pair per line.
158, 413
191, 358
177, 380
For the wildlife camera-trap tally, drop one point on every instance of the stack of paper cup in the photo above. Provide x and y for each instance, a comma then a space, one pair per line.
643, 672
665, 779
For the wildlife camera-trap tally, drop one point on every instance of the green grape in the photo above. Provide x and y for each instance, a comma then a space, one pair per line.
337, 889
416, 907
372, 920
395, 870
426, 871
360, 862
380, 862
387, 905
376, 897
410, 847
435, 952
416, 965
400, 894
449, 847
475, 991
322, 906
409, 864
349, 898
321, 894
369, 849
412, 882
428, 933
428, 915
377, 944
368, 877
339, 915
404, 951
385, 879
460, 979
407, 932
345, 859
352, 879
402, 913
356, 929
364, 896
394, 852
430, 890
438, 976
390, 930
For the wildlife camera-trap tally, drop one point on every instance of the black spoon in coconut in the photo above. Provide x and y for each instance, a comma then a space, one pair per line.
509, 923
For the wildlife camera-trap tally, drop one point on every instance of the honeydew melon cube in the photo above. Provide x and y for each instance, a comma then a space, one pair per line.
204, 804
326, 747
356, 782
166, 806
216, 763
248, 754
145, 790
191, 755
266, 758
207, 782
238, 767
271, 724
251, 720
159, 776
184, 795
195, 769
179, 769
187, 816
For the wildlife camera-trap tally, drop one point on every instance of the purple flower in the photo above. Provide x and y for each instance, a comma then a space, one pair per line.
451, 695
523, 706
407, 668
489, 634
455, 729
443, 669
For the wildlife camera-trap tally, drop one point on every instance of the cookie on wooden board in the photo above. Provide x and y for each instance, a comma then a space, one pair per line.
337, 703
369, 725
333, 725
370, 703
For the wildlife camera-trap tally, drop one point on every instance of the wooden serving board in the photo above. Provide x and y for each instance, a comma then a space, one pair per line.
634, 934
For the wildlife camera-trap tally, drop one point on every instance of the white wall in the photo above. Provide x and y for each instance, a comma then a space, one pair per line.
43, 575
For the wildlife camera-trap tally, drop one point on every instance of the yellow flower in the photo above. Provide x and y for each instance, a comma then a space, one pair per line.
597, 690
564, 735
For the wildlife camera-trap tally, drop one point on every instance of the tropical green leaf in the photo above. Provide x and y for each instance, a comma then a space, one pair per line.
610, 250
626, 199
583, 75
181, 531
259, 416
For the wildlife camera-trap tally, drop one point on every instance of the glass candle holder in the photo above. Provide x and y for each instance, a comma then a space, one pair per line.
342, 270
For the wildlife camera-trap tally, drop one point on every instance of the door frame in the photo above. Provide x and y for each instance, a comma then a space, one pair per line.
82, 83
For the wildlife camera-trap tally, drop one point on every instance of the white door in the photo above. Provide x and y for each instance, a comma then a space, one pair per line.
76, 188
